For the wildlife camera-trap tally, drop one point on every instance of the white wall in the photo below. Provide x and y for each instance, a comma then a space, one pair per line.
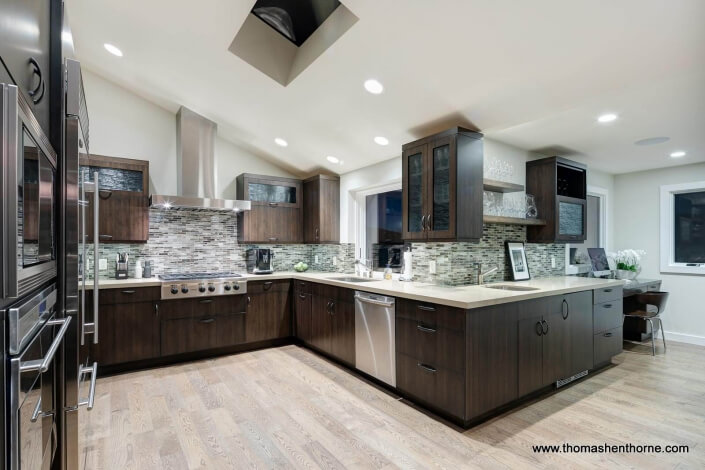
123, 124
390, 171
637, 204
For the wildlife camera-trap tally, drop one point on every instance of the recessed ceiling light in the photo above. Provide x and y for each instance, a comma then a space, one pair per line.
609, 117
678, 154
381, 140
332, 159
652, 141
373, 86
112, 49
281, 142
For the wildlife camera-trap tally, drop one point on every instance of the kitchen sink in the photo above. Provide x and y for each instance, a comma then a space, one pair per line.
511, 287
352, 279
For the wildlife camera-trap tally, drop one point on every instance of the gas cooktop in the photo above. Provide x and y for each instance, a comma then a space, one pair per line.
197, 276
180, 285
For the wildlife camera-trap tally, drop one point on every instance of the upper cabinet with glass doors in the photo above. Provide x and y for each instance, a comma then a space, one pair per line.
442, 186
560, 188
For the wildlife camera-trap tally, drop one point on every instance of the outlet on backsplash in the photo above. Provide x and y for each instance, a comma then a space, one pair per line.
553, 261
432, 267
335, 261
315, 259
102, 264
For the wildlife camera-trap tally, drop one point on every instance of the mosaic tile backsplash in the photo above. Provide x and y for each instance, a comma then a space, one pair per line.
207, 241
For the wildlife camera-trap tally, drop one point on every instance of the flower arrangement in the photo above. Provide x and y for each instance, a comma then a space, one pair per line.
628, 263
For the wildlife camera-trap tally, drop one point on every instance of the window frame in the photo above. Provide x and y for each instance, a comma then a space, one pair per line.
361, 213
603, 194
667, 222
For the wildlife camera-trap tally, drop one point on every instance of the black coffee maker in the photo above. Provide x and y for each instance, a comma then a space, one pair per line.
259, 261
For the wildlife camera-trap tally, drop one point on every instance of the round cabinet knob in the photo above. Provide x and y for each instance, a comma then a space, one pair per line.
184, 289
201, 288
226, 287
236, 286
211, 288
174, 290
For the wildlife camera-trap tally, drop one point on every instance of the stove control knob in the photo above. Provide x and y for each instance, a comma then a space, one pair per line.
236, 286
184, 288
201, 288
226, 286
211, 288
174, 290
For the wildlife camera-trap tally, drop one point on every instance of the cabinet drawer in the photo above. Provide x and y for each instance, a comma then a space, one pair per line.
275, 285
436, 387
183, 335
432, 315
199, 307
129, 294
431, 345
303, 287
332, 292
607, 294
607, 316
606, 345
654, 287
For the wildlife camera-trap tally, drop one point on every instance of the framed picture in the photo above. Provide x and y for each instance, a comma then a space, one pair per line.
517, 260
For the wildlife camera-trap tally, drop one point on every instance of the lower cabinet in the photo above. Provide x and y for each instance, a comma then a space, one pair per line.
268, 310
128, 326
302, 314
199, 324
333, 322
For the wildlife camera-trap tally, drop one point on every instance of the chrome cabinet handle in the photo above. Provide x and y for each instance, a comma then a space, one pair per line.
607, 305
539, 330
428, 223
42, 365
207, 320
607, 290
545, 324
608, 335
317, 232
273, 204
272, 239
567, 309
104, 193
40, 85
93, 370
426, 308
105, 237
128, 292
425, 329
302, 296
267, 285
156, 310
427, 368
248, 300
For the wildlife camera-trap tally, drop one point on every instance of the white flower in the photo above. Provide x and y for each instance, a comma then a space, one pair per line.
629, 257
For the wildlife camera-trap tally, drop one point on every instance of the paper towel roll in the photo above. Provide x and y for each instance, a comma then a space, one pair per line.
407, 270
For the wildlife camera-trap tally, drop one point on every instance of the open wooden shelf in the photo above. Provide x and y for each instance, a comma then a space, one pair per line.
502, 186
498, 219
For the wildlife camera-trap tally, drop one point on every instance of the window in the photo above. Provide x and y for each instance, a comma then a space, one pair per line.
577, 260
378, 240
683, 228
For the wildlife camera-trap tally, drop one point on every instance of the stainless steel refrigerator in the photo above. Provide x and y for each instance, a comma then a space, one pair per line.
78, 371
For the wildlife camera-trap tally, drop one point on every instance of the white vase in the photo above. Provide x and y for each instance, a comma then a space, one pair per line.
626, 274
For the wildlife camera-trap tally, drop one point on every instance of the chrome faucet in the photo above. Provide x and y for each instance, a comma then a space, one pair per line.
363, 264
481, 275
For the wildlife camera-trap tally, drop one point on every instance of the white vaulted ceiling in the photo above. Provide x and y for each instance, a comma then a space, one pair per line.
534, 74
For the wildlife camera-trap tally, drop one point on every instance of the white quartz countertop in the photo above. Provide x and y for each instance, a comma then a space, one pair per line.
462, 296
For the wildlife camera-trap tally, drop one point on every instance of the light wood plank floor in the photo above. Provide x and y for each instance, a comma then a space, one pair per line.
288, 408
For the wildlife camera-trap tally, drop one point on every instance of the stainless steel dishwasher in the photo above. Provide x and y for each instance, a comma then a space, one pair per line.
375, 352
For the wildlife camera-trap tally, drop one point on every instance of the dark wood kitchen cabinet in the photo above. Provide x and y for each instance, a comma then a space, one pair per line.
128, 325
303, 303
442, 185
124, 198
322, 209
333, 322
268, 310
276, 215
560, 188
199, 324
553, 340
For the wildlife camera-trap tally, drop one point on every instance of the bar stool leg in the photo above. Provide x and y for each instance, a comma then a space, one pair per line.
663, 335
653, 344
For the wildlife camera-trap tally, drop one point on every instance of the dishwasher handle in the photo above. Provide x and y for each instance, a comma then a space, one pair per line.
370, 300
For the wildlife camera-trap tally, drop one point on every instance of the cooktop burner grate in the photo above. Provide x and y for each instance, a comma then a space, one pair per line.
194, 276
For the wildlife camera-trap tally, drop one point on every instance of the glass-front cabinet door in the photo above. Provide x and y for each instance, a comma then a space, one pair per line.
274, 193
572, 219
414, 193
440, 221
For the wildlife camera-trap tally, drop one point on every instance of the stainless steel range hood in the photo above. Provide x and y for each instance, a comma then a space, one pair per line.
196, 168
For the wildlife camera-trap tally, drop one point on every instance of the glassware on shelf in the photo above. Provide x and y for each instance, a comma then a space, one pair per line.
532, 211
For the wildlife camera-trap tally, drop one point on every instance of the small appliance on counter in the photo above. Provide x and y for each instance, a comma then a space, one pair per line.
147, 269
259, 261
121, 265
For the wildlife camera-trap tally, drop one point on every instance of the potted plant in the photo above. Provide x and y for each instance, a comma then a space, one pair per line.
628, 263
